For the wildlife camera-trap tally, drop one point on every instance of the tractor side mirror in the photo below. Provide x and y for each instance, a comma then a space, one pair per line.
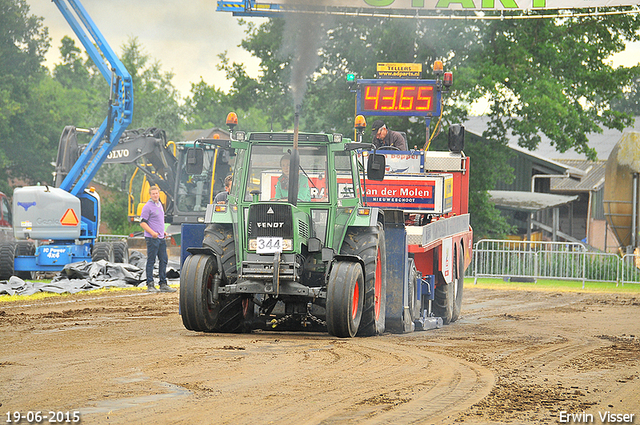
376, 167
456, 138
195, 159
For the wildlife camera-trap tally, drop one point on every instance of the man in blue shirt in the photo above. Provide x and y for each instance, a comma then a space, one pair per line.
152, 221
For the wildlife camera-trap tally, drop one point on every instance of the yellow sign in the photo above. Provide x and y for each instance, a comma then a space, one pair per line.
399, 70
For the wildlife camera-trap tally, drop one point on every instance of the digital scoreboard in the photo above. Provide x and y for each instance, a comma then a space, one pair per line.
398, 97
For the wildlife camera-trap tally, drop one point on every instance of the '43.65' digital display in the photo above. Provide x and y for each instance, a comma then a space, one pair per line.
398, 98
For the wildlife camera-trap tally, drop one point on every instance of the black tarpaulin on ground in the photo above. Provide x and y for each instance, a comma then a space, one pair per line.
84, 276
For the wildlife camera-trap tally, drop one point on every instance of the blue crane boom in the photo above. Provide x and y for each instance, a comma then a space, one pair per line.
120, 99
56, 226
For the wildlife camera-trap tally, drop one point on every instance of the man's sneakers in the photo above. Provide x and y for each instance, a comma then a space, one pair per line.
166, 288
163, 288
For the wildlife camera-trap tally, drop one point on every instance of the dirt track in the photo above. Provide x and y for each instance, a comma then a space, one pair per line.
515, 357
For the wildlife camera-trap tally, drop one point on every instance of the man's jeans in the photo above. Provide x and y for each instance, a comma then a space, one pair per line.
156, 247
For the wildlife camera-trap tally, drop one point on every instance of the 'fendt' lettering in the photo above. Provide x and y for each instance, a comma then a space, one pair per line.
119, 153
270, 225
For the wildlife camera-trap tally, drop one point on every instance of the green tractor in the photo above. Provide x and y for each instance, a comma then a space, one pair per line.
302, 253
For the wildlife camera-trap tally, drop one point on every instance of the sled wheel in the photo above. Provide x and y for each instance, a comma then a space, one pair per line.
448, 295
345, 291
458, 286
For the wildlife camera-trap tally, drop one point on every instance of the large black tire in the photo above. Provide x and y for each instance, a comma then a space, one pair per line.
219, 237
344, 299
7, 255
448, 295
102, 251
25, 248
121, 252
198, 309
369, 244
459, 285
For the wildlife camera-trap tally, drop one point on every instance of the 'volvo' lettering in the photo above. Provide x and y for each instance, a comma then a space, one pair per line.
118, 153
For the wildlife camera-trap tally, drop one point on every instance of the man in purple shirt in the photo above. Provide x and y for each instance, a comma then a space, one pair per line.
152, 221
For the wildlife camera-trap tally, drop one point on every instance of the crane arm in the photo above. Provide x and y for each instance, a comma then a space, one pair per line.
120, 111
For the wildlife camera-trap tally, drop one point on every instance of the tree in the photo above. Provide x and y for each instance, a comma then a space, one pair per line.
156, 100
23, 43
207, 107
629, 100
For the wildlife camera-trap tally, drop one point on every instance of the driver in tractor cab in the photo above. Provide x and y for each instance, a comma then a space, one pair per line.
282, 187
382, 136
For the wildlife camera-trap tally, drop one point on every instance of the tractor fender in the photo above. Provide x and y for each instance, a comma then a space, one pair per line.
201, 250
371, 220
345, 257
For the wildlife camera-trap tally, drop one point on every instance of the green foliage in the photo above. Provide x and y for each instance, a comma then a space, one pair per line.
23, 43
114, 214
629, 100
156, 100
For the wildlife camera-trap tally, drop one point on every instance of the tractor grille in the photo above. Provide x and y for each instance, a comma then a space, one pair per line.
303, 228
288, 137
270, 220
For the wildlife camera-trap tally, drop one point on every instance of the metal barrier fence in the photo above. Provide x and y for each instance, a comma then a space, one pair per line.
552, 260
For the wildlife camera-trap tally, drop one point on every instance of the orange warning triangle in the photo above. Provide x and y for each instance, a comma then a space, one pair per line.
69, 218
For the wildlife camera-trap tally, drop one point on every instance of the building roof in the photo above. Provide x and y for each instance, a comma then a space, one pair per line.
592, 181
527, 201
603, 143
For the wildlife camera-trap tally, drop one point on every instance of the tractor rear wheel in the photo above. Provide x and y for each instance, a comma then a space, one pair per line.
345, 291
121, 252
200, 312
369, 244
219, 238
102, 251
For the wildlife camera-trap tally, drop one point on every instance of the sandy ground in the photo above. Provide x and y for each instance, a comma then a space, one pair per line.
514, 357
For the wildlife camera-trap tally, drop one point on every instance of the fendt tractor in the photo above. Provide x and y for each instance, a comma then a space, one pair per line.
55, 226
360, 241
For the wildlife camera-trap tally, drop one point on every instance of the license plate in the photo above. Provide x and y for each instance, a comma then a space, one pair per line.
269, 245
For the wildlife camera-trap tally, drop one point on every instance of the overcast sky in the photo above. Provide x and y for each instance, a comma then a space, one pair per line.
185, 36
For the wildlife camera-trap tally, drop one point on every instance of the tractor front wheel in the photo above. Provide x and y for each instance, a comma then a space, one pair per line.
345, 293
199, 310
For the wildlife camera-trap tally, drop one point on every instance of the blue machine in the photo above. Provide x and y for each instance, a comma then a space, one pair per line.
64, 221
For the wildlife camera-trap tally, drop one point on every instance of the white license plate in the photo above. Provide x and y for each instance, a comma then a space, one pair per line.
269, 245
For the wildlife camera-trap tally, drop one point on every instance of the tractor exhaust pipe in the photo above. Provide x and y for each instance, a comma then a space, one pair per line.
294, 165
